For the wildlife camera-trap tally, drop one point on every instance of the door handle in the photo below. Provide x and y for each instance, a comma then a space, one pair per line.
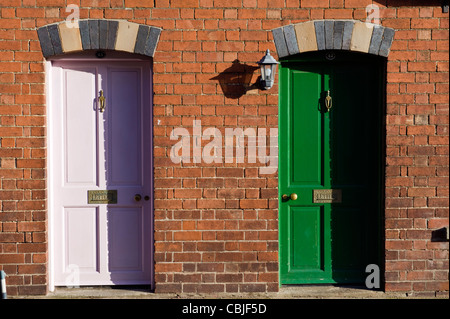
137, 197
285, 197
328, 101
102, 99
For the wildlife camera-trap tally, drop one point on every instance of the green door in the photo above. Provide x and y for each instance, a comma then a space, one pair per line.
332, 160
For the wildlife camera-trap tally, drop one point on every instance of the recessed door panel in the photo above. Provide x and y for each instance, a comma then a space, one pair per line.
125, 232
306, 238
124, 127
81, 235
79, 111
306, 125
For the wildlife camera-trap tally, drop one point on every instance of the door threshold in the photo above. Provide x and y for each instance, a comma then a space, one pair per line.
102, 292
330, 291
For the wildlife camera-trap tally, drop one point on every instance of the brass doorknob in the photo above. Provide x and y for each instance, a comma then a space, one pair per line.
137, 197
293, 196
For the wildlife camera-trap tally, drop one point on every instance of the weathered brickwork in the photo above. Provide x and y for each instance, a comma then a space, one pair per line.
216, 225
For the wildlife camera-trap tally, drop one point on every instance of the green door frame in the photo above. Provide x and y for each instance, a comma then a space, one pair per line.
284, 100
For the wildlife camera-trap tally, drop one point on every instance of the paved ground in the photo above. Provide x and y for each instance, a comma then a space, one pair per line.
294, 292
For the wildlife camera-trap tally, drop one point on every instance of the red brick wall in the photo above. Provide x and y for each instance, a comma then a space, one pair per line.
216, 226
417, 150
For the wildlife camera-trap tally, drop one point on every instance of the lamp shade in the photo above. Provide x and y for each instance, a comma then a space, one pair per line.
268, 67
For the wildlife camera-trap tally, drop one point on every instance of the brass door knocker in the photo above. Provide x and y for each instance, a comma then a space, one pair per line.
102, 99
328, 101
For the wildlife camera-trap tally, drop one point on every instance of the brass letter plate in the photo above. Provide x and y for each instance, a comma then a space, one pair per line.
327, 196
107, 196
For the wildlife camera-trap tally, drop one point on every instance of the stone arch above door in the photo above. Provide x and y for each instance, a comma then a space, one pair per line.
350, 35
94, 34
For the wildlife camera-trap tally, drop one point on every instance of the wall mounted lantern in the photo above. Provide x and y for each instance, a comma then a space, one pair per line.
268, 68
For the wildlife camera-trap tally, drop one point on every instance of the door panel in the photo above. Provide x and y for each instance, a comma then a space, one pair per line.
306, 130
80, 169
329, 241
306, 236
124, 89
102, 243
125, 232
81, 235
349, 245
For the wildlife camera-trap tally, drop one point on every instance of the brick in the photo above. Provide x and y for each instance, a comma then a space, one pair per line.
422, 45
208, 14
408, 12
438, 202
53, 31
30, 12
187, 235
291, 39
422, 66
185, 3
45, 42
252, 287
210, 203
421, 171
126, 36
424, 23
188, 193
94, 33
12, 259
338, 14
320, 34
253, 203
230, 172
438, 140
84, 34
253, 246
362, 34
50, 3
386, 42
421, 192
399, 202
306, 36
139, 3
314, 4
251, 14
421, 130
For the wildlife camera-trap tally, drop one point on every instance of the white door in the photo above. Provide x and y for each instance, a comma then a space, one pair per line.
102, 173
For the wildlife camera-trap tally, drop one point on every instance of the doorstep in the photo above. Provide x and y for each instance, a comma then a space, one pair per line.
285, 292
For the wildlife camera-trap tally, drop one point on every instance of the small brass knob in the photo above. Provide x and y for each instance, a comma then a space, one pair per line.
137, 197
293, 196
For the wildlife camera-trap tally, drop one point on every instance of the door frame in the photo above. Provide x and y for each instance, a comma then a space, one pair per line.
87, 56
284, 98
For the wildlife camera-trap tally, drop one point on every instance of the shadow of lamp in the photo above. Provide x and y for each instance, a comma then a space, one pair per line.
235, 80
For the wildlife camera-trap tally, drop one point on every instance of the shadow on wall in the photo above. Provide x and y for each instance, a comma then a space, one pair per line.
235, 80
439, 235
